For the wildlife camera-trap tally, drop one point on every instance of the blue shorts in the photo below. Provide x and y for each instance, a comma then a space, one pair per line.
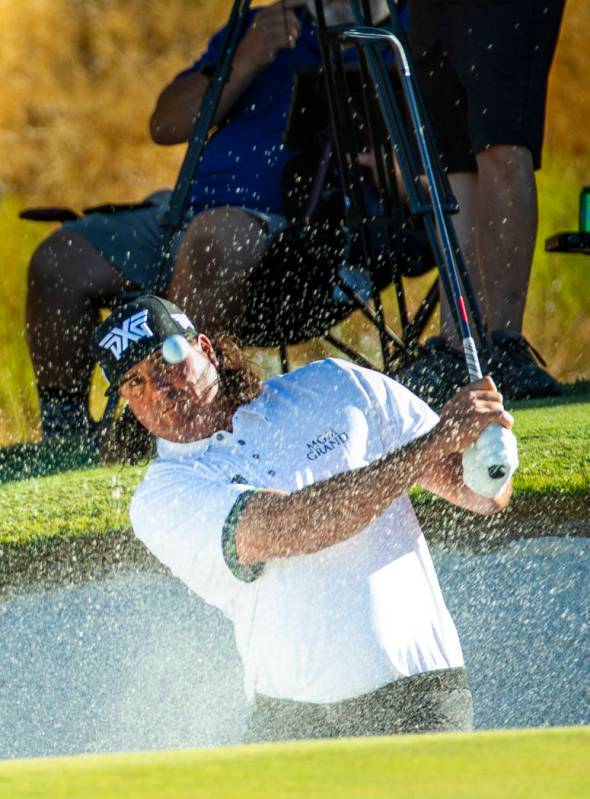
131, 239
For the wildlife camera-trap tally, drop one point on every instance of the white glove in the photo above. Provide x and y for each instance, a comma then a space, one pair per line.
490, 462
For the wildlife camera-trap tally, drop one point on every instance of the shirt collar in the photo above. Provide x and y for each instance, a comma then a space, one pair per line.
172, 450
252, 413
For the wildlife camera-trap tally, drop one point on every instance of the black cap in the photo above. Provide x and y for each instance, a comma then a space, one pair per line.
134, 331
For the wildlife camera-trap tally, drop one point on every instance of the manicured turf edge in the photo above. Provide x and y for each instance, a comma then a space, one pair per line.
74, 526
519, 764
73, 559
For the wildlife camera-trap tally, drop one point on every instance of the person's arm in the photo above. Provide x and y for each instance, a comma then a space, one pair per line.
274, 28
276, 525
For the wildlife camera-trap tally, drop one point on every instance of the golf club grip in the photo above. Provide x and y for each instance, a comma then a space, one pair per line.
471, 358
497, 472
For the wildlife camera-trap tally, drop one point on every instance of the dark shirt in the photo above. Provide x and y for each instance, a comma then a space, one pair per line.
244, 160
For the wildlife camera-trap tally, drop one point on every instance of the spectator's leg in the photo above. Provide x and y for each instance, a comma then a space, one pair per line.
68, 282
507, 223
215, 259
483, 68
465, 188
504, 217
496, 228
506, 231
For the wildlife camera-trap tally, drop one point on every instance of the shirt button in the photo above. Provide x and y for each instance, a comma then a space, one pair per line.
241, 442
271, 472
256, 456
219, 436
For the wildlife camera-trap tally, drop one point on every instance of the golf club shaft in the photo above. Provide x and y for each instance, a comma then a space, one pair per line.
448, 265
448, 262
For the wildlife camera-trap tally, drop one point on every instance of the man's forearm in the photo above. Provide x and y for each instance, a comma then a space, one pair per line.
178, 105
277, 525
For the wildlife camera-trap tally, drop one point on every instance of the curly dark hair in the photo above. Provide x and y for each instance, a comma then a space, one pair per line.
238, 379
126, 441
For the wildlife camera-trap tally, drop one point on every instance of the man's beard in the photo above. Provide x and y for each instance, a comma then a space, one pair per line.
340, 13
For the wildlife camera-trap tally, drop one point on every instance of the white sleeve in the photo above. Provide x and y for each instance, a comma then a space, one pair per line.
399, 414
188, 522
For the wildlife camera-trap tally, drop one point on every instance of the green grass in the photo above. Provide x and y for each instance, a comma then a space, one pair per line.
554, 442
524, 764
93, 501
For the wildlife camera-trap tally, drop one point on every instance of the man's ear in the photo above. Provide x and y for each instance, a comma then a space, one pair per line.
207, 347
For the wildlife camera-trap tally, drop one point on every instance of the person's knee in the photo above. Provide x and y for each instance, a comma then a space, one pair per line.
50, 264
65, 264
202, 249
219, 241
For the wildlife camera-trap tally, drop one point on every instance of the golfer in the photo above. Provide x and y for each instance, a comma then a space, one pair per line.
285, 505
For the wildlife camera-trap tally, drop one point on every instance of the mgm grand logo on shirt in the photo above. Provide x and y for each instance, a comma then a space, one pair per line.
325, 442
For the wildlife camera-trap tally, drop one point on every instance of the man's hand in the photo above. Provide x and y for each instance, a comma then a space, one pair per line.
474, 409
275, 28
468, 413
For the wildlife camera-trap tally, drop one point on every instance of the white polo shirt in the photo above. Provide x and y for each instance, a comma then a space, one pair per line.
313, 628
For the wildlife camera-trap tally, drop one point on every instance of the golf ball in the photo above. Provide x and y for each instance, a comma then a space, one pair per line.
175, 349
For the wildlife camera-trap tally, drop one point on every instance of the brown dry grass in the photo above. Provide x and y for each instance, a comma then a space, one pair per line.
80, 80
568, 106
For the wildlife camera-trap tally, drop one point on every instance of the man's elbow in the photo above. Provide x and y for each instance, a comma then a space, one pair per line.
255, 545
257, 530
155, 129
165, 119
270, 529
160, 131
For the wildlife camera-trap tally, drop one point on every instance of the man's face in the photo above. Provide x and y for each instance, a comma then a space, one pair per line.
175, 401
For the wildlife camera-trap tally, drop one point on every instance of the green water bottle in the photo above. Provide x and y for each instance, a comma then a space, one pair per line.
585, 210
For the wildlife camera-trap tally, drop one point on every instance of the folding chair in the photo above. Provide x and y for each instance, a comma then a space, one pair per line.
339, 222
412, 232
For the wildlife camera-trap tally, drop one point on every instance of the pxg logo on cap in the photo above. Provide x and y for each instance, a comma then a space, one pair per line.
132, 329
133, 332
